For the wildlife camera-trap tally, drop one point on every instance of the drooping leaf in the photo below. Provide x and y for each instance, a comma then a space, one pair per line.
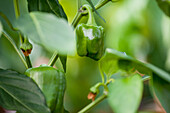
63, 60
165, 6
125, 94
112, 55
19, 92
49, 31
0, 28
161, 89
57, 8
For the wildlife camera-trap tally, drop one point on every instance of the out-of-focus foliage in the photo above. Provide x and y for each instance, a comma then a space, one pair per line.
0, 29
126, 93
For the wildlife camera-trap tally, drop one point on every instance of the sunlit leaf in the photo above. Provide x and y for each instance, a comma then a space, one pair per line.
165, 6
125, 94
49, 31
19, 92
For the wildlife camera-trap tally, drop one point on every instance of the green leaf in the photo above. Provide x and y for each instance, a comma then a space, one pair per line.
19, 92
114, 57
165, 6
51, 6
57, 8
161, 89
49, 31
0, 29
125, 94
38, 5
63, 60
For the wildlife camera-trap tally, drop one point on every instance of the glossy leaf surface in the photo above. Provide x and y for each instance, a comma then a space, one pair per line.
19, 92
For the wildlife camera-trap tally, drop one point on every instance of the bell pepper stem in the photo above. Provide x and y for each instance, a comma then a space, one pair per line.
53, 59
80, 14
93, 104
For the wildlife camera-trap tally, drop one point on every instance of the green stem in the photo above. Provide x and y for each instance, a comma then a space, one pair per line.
15, 47
101, 3
102, 74
92, 104
7, 21
76, 19
16, 7
53, 59
17, 14
28, 61
82, 13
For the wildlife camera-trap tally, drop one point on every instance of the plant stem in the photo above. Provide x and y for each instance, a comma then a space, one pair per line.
82, 13
53, 59
16, 7
92, 104
17, 14
7, 21
27, 58
76, 19
15, 47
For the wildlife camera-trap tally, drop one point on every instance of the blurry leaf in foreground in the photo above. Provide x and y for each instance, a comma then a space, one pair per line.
19, 92
125, 94
165, 6
49, 31
161, 89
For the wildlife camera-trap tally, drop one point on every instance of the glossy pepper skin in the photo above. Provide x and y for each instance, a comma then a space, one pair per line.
90, 37
90, 41
52, 83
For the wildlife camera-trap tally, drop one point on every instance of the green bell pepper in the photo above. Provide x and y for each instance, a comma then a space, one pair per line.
52, 83
90, 37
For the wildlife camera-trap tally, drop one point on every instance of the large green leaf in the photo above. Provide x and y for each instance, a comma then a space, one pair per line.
49, 31
165, 6
125, 94
19, 92
161, 89
115, 58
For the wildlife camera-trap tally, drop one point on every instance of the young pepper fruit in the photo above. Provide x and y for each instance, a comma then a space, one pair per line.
90, 37
52, 83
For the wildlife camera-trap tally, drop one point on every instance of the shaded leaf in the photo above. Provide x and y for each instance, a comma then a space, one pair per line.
165, 6
19, 92
51, 6
161, 89
49, 31
125, 94
57, 8
38, 5
63, 60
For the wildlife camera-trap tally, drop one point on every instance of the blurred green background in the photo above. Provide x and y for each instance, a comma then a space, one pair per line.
138, 28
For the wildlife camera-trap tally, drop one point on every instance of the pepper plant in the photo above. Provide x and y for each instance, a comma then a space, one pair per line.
41, 89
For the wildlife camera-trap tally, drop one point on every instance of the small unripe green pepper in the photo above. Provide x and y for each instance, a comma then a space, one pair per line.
52, 83
90, 37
